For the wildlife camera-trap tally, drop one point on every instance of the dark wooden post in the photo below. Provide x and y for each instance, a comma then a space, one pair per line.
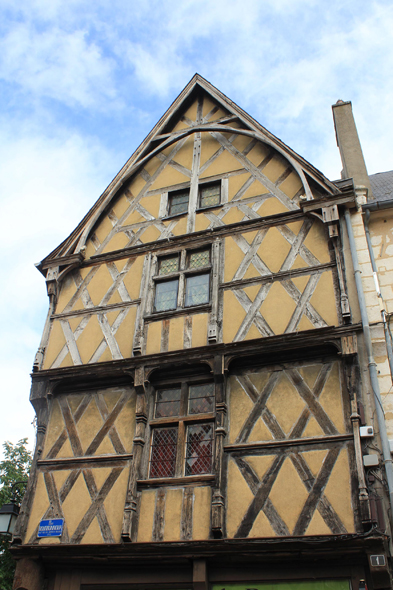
218, 504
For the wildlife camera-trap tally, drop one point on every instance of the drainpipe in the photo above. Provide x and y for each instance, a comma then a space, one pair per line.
378, 290
372, 367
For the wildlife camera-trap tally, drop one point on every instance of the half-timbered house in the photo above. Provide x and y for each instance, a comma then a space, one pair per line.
201, 380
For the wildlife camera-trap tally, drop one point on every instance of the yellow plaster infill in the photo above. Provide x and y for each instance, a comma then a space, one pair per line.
137, 183
274, 249
185, 154
74, 322
93, 534
90, 339
168, 177
258, 154
314, 460
120, 206
259, 378
153, 344
317, 242
114, 504
254, 190
271, 206
209, 146
207, 106
104, 227
100, 284
234, 215
176, 328
118, 241
260, 432
261, 527
252, 291
241, 141
301, 282
223, 164
310, 373
324, 299
132, 280
240, 407
65, 451
112, 315
239, 498
152, 165
67, 291
124, 333
233, 316
76, 504
90, 249
275, 168
338, 491
285, 403
173, 507
40, 506
133, 218
191, 112
317, 526
312, 429
55, 344
233, 258
201, 513
291, 185
201, 222
180, 227
260, 464
199, 329
67, 362
331, 399
288, 486
89, 425
125, 424
235, 183
151, 204
277, 308
55, 426
146, 516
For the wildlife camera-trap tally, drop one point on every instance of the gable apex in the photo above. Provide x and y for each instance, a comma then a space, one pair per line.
164, 134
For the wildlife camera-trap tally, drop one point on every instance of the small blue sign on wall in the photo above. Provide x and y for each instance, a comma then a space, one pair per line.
51, 528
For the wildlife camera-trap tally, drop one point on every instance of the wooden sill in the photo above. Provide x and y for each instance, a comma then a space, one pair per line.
188, 480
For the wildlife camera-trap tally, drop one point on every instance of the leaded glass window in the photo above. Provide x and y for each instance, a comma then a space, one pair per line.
201, 398
199, 449
166, 295
168, 402
168, 265
178, 202
163, 452
210, 195
197, 290
199, 259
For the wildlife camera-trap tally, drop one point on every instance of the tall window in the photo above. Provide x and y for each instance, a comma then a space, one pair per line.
183, 280
182, 431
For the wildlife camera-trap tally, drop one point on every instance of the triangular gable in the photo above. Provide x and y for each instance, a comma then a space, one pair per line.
223, 115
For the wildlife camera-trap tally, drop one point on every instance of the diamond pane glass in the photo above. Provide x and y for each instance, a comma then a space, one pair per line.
163, 452
199, 451
166, 295
168, 403
168, 265
201, 398
178, 203
210, 195
197, 290
199, 259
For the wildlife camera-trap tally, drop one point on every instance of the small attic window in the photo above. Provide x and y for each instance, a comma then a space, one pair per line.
209, 195
178, 202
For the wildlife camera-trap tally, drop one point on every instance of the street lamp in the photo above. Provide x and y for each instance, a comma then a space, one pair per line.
9, 513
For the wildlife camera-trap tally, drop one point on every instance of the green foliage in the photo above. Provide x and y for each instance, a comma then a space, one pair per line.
14, 467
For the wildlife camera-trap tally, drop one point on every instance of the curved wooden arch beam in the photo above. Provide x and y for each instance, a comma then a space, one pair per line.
178, 136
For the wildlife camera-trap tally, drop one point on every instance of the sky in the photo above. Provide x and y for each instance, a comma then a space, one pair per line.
83, 82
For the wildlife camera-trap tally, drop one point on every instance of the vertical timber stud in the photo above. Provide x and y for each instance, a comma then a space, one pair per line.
129, 529
199, 575
51, 288
218, 506
330, 216
137, 346
212, 335
349, 353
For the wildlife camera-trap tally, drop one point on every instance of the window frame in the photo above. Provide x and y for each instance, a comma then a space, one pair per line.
183, 273
170, 196
182, 421
209, 184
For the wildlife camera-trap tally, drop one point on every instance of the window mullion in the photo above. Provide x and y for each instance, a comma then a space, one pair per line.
181, 442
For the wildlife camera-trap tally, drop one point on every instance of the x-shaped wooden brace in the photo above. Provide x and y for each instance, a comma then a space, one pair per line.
314, 485
98, 496
107, 330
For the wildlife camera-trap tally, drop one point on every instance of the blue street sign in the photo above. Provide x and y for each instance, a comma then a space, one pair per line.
51, 528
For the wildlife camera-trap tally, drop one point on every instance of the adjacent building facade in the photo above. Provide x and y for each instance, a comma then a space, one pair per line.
202, 378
